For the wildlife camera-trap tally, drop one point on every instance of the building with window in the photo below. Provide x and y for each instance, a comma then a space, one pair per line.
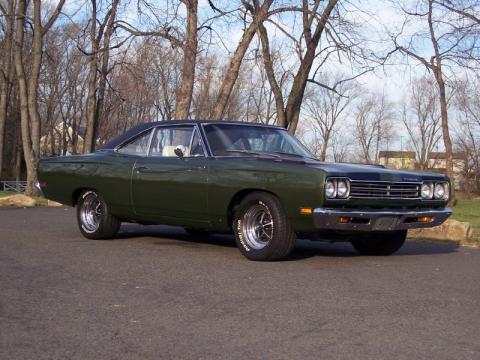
436, 163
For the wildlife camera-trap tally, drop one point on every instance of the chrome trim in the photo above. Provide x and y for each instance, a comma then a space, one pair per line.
149, 146
38, 187
383, 182
116, 148
257, 226
245, 123
205, 140
327, 218
197, 129
91, 212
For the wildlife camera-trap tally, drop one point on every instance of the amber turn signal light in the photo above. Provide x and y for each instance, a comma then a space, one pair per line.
306, 211
425, 219
343, 219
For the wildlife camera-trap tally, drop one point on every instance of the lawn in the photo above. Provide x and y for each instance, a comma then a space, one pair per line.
38, 199
468, 210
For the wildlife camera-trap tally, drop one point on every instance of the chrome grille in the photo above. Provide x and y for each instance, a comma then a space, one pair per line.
384, 190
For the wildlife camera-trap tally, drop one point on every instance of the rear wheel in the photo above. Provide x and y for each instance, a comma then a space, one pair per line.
94, 219
381, 243
262, 229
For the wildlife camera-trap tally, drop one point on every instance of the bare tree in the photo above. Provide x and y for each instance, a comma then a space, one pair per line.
28, 81
190, 44
468, 130
187, 40
315, 20
341, 145
99, 58
447, 39
7, 71
324, 108
468, 9
259, 14
421, 119
373, 120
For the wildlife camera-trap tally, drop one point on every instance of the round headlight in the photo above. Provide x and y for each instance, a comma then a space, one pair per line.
427, 191
330, 190
441, 191
342, 188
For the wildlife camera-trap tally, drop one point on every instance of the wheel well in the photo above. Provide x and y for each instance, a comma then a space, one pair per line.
76, 194
237, 199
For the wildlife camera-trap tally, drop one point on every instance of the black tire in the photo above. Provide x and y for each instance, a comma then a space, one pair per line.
94, 219
278, 239
380, 243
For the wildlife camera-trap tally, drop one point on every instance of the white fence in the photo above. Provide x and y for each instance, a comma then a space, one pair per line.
16, 186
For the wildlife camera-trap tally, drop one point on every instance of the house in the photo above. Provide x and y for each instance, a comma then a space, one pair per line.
436, 163
398, 159
52, 143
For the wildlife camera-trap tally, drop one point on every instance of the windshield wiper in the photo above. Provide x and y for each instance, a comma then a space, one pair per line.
253, 153
295, 155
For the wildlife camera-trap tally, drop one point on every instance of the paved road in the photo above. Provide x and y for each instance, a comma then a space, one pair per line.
155, 293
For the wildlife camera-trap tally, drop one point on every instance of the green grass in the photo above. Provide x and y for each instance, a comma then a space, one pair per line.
469, 211
38, 199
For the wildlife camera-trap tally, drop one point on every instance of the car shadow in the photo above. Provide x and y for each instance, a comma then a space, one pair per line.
307, 249
166, 233
304, 248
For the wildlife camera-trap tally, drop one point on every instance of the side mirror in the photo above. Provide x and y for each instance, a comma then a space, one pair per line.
180, 151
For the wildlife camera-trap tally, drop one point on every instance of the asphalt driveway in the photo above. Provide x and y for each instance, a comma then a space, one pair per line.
156, 293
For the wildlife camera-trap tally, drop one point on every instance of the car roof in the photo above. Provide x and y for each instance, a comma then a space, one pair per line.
132, 132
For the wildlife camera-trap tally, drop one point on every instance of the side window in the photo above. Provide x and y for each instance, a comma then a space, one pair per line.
197, 145
166, 139
138, 146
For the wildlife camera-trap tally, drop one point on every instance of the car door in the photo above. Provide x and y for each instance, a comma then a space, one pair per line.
165, 185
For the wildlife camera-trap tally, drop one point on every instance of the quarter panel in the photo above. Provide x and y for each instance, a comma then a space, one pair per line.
295, 184
109, 173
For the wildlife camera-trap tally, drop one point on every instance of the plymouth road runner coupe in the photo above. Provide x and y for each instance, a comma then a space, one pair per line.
256, 181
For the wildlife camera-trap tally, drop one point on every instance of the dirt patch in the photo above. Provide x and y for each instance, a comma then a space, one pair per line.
17, 200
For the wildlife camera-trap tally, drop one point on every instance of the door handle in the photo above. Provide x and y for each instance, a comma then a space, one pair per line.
142, 168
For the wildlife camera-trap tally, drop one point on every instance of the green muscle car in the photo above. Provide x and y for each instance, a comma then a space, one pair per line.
254, 180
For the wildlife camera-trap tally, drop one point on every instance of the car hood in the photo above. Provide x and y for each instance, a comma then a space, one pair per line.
373, 172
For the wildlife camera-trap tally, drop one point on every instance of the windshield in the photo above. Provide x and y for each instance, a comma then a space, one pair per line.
231, 139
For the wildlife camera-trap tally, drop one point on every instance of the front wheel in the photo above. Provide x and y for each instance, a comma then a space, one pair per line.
380, 243
94, 219
262, 229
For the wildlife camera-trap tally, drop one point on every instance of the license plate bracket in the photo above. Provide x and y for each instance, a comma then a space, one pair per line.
385, 223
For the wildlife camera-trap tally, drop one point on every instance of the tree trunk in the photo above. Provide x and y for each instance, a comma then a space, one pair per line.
446, 134
89, 141
30, 159
36, 58
184, 96
323, 154
295, 97
237, 58
268, 64
102, 82
18, 162
7, 76
443, 104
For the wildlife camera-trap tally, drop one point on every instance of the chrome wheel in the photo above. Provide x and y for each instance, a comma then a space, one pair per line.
91, 212
257, 226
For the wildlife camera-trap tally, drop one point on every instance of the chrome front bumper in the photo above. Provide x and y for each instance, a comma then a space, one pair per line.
378, 220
